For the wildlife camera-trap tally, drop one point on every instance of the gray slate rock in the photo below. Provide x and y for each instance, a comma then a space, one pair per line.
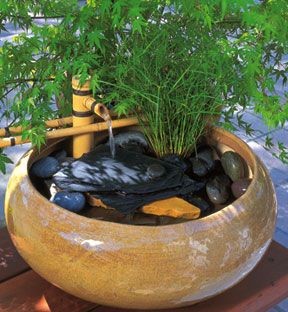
176, 161
123, 182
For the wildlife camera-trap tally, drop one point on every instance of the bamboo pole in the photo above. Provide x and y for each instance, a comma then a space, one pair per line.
54, 123
53, 134
84, 107
82, 116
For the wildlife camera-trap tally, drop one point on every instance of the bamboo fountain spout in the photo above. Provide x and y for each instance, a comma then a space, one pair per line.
98, 108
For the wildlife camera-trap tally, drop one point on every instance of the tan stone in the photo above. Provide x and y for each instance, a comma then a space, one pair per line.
172, 207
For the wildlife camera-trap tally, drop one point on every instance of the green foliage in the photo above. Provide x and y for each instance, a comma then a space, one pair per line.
3, 161
176, 61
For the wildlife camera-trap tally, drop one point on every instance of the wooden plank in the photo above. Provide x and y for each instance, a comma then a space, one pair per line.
29, 292
259, 291
11, 263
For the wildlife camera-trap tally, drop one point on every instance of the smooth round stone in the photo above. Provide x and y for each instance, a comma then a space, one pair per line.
218, 190
239, 187
60, 155
45, 167
73, 201
199, 167
177, 161
233, 165
155, 171
206, 154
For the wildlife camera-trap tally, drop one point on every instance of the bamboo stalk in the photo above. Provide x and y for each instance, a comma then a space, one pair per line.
60, 122
95, 127
54, 123
82, 116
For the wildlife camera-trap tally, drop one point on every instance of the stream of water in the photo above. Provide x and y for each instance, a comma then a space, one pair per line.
111, 138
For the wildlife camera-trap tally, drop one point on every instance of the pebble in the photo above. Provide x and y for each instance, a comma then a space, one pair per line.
72, 201
218, 189
239, 187
45, 167
206, 155
233, 165
60, 155
199, 167
155, 171
203, 163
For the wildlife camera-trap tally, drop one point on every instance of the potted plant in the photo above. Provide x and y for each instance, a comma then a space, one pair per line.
177, 65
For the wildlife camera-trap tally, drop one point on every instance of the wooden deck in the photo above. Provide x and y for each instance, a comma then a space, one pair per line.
21, 289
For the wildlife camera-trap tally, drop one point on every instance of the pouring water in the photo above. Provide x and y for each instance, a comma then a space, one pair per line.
104, 113
111, 138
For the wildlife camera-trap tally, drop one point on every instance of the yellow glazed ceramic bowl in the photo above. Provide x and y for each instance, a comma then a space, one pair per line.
145, 267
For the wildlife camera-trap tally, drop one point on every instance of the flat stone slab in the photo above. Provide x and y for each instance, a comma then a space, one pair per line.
124, 182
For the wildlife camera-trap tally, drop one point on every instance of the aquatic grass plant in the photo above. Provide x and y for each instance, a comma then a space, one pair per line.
173, 104
174, 81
